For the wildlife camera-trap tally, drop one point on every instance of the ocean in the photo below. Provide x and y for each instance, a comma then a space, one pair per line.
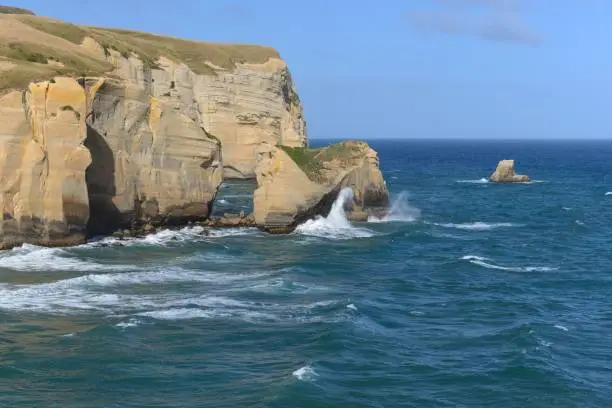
468, 294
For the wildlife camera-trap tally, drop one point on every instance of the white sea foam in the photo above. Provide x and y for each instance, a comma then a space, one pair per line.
477, 260
335, 225
286, 286
558, 326
129, 323
222, 201
250, 316
91, 292
479, 181
478, 226
351, 307
567, 208
608, 193
31, 258
581, 223
167, 237
306, 373
400, 211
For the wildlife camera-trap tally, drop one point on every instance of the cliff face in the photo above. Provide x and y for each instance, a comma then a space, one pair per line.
103, 129
43, 194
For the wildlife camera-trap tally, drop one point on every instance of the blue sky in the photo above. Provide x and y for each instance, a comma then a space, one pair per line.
409, 68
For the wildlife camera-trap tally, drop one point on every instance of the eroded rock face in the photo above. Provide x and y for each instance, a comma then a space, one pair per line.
253, 104
288, 195
143, 146
504, 173
151, 161
242, 108
43, 193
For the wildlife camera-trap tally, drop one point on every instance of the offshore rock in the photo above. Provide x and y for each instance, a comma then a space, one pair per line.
297, 184
504, 173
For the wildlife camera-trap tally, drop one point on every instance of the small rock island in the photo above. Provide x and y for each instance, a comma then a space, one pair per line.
504, 173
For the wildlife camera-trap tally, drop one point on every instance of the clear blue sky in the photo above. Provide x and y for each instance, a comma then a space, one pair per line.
409, 68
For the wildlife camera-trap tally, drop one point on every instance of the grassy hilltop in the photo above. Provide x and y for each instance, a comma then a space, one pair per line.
36, 48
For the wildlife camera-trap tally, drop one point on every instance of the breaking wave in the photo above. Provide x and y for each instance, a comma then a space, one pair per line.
400, 211
166, 237
479, 181
32, 258
481, 261
335, 225
478, 226
306, 373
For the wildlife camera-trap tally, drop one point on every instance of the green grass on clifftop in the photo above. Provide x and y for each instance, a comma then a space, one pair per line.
36, 48
312, 161
14, 10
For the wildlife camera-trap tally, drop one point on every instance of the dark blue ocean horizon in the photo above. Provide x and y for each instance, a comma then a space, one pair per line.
470, 295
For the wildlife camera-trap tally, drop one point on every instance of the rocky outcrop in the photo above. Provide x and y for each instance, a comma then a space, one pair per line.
143, 140
504, 173
297, 184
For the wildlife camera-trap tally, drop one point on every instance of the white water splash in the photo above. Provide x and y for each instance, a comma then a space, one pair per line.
478, 226
400, 211
335, 225
608, 193
481, 261
563, 328
479, 181
306, 373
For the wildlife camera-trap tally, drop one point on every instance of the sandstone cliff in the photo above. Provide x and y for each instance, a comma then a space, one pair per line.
102, 129
295, 184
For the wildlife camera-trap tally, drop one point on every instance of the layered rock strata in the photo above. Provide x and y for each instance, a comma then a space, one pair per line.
103, 130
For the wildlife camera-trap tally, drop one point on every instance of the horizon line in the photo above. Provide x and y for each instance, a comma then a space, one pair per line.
451, 139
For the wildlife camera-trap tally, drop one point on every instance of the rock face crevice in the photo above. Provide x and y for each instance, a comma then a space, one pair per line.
104, 215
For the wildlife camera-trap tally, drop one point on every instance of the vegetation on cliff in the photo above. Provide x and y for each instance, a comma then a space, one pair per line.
313, 162
27, 53
14, 10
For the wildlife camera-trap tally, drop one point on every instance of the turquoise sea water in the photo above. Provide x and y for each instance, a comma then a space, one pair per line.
470, 295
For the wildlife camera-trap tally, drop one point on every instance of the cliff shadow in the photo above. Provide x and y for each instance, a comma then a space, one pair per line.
104, 216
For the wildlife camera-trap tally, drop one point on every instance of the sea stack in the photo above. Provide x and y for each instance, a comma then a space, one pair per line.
504, 173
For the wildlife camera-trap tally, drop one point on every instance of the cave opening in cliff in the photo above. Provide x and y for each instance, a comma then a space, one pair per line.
234, 197
104, 216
